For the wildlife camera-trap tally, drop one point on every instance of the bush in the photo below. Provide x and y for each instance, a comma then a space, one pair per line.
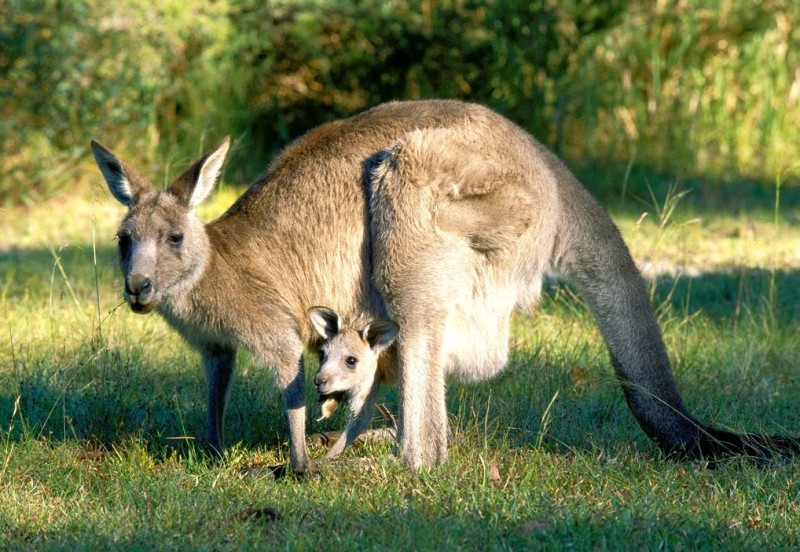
296, 64
71, 71
679, 88
693, 88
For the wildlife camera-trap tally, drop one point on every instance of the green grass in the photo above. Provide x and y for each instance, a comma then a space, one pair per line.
102, 413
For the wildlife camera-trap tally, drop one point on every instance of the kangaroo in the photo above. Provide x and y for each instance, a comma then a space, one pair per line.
439, 214
349, 368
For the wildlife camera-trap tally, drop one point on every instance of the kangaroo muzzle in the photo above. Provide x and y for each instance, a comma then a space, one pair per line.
140, 293
141, 284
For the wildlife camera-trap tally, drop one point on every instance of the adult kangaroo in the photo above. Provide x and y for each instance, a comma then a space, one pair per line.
439, 214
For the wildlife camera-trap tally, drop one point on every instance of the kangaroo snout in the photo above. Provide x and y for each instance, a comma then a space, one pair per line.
140, 292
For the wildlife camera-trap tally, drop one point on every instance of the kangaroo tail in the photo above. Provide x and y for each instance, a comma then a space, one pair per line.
718, 444
591, 252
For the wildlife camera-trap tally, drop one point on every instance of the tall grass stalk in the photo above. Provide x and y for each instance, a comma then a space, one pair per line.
626, 177
665, 211
99, 324
545, 422
60, 267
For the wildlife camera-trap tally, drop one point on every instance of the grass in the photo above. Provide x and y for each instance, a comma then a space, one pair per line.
102, 413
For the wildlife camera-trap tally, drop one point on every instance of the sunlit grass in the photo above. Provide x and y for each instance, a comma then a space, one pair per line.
102, 414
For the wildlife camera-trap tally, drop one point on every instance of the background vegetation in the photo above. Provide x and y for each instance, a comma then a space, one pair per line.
705, 88
686, 111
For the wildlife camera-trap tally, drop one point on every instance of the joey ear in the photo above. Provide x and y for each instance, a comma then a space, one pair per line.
196, 182
325, 321
123, 182
380, 334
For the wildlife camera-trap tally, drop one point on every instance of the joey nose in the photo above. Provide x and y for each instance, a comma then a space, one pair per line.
320, 380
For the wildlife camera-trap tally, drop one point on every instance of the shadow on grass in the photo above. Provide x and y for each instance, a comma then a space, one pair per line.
103, 395
728, 295
306, 524
728, 196
117, 399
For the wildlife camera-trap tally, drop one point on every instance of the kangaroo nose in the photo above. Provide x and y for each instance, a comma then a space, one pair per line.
320, 380
138, 285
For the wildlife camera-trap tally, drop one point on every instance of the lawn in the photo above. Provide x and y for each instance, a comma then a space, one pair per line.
102, 411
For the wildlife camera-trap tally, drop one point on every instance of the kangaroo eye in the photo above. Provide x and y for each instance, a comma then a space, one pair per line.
124, 241
175, 239
351, 361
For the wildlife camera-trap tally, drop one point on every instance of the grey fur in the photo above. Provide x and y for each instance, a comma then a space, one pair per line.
439, 214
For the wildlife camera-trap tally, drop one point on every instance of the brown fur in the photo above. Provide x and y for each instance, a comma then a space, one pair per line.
440, 214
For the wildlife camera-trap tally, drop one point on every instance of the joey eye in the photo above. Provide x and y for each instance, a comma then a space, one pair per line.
351, 361
175, 239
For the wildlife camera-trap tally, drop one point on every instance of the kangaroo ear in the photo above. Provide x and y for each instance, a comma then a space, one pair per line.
380, 334
325, 321
123, 182
194, 185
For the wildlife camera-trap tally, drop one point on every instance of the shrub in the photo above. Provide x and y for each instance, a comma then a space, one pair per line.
130, 74
696, 89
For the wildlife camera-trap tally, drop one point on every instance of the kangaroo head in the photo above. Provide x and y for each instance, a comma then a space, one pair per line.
349, 357
163, 246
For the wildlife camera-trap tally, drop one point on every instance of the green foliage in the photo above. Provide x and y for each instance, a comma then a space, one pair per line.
695, 88
687, 89
70, 71
297, 64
